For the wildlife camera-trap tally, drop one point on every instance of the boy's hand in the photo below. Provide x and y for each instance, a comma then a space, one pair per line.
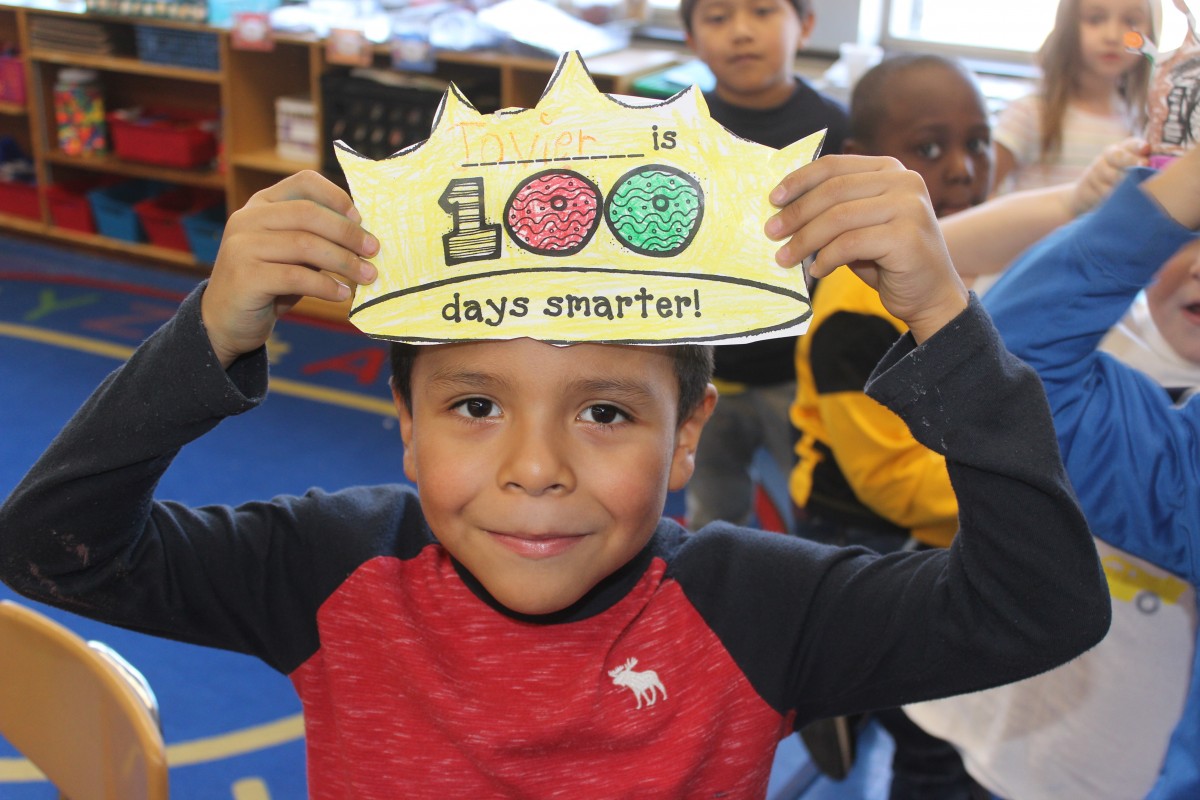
874, 215
272, 254
1105, 172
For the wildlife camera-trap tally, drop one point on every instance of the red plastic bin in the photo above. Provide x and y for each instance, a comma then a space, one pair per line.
70, 207
19, 199
162, 215
164, 137
12, 80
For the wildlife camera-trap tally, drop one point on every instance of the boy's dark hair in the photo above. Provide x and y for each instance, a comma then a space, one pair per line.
868, 101
687, 7
693, 370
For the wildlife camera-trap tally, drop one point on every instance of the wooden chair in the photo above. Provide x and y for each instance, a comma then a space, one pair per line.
81, 715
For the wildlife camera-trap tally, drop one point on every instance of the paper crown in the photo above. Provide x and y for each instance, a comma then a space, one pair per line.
1173, 107
586, 218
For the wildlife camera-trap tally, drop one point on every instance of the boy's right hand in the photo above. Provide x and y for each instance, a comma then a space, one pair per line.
872, 214
272, 254
1105, 172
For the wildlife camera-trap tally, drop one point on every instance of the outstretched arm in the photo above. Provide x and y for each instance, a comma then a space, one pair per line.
1020, 589
1128, 449
82, 529
985, 239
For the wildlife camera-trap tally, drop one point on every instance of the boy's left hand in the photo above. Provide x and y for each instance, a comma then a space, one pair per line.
874, 215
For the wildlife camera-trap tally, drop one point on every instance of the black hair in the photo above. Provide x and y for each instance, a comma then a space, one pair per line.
688, 7
693, 370
868, 101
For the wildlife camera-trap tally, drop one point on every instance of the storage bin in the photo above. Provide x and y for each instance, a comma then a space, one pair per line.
79, 112
162, 215
296, 129
221, 12
19, 199
70, 207
18, 187
165, 137
178, 47
113, 208
373, 117
12, 80
204, 230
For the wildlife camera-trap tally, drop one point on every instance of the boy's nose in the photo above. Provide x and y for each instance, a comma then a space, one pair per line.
535, 462
960, 166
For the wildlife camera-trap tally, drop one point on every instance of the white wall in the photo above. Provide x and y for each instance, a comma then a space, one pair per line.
844, 21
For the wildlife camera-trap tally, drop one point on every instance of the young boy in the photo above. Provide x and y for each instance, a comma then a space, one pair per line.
525, 624
750, 46
860, 476
928, 113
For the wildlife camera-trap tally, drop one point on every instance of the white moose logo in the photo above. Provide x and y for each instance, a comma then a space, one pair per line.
644, 685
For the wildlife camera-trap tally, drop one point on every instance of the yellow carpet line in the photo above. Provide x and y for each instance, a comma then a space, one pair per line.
236, 743
308, 391
198, 751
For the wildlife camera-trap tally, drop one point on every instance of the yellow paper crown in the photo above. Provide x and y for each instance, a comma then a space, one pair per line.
586, 218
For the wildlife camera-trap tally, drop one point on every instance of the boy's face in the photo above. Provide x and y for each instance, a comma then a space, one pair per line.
544, 469
1174, 300
1102, 27
750, 46
936, 124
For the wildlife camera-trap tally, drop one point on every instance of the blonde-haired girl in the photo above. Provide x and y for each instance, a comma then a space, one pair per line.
1092, 94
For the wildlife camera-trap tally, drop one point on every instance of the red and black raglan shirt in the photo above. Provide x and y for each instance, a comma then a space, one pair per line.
675, 677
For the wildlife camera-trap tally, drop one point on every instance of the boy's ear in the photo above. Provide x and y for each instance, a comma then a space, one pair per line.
807, 23
404, 415
687, 439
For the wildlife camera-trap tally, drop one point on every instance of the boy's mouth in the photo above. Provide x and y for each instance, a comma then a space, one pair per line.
1192, 312
537, 546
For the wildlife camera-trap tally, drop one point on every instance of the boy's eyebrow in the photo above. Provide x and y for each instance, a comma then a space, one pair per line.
628, 390
461, 379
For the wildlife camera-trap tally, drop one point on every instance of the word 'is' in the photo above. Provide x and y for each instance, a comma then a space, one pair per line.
643, 305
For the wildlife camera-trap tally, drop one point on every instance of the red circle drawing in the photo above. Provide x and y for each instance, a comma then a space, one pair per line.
553, 213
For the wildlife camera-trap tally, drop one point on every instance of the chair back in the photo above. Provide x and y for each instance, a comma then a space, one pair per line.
74, 715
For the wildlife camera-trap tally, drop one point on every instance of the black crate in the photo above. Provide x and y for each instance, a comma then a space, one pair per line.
375, 119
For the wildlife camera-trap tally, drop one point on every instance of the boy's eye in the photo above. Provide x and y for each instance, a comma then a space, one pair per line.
713, 19
930, 150
603, 414
981, 146
477, 408
764, 11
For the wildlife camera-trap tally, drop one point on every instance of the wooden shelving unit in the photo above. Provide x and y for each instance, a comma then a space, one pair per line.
243, 90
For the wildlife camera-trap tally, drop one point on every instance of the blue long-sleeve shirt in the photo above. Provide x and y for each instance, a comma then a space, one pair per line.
1133, 455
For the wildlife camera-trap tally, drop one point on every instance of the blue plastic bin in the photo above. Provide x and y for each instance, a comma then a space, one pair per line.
113, 208
179, 47
204, 229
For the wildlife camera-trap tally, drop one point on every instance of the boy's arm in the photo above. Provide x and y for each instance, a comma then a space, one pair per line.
896, 477
82, 530
1020, 590
985, 239
1127, 449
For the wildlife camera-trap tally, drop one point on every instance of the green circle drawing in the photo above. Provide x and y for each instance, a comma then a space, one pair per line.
655, 210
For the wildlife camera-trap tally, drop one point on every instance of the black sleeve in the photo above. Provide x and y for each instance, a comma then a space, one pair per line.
845, 349
824, 631
83, 532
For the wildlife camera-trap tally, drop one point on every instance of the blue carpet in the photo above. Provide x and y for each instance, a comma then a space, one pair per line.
230, 723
